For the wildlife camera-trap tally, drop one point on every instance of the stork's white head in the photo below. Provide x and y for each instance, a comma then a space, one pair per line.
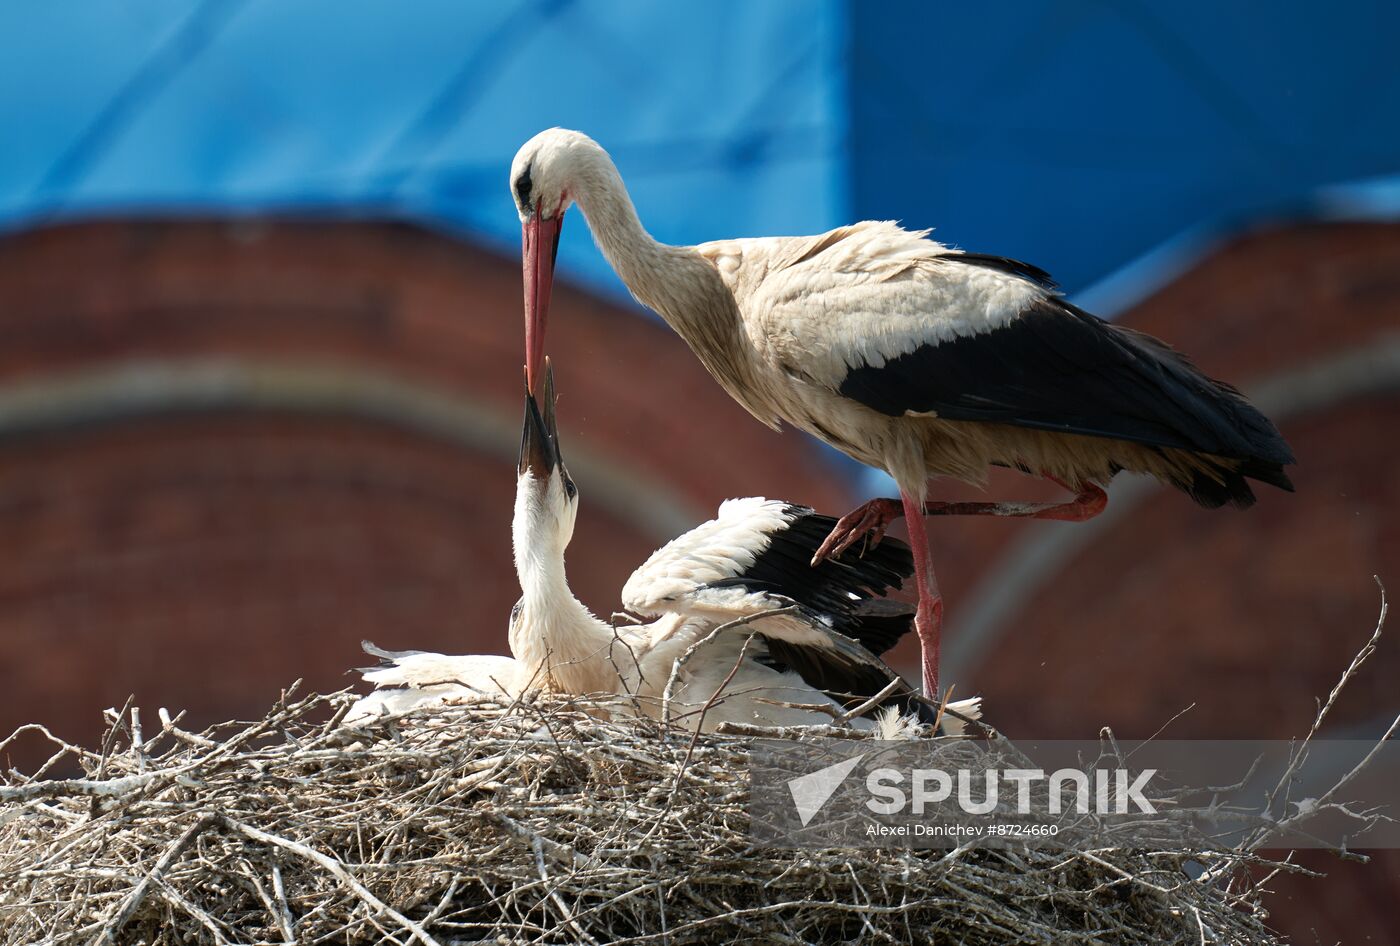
548, 174
546, 500
549, 169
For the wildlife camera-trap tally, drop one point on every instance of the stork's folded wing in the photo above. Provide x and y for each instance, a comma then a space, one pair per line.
756, 555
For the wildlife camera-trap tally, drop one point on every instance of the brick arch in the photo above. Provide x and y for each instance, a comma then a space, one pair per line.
173, 388
395, 300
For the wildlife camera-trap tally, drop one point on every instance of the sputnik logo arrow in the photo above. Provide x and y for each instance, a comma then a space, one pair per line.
810, 792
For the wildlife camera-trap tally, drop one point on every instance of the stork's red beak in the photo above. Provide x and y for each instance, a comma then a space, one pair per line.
539, 246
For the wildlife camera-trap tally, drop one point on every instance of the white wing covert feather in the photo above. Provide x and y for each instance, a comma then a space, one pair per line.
861, 295
680, 576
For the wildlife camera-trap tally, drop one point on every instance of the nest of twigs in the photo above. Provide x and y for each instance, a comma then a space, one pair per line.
538, 821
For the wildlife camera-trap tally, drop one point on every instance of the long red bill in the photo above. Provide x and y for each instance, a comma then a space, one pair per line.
539, 246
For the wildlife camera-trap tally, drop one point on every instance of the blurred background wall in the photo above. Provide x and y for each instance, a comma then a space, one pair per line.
260, 331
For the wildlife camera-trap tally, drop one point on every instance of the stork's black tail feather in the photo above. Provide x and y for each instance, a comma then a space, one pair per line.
1233, 485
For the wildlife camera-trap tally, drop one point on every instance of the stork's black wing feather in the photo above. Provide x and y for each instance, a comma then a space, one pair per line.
1005, 264
387, 658
1055, 367
842, 589
879, 625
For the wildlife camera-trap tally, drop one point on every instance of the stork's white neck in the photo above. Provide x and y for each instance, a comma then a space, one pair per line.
560, 643
676, 282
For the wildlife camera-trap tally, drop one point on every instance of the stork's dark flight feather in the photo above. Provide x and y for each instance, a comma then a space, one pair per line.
387, 658
842, 589
1005, 264
849, 682
1055, 367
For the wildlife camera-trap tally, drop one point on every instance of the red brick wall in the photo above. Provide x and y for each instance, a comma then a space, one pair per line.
206, 561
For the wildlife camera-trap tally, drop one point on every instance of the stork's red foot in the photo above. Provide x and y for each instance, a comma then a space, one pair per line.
867, 522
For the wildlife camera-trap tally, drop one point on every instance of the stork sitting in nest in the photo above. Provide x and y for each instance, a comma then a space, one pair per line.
809, 636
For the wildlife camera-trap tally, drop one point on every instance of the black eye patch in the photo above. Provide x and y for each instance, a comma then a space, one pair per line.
570, 489
522, 188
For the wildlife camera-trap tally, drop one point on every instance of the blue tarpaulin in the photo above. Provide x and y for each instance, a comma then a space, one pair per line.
1080, 136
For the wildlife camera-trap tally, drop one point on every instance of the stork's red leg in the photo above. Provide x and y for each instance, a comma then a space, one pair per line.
870, 520
928, 619
1088, 504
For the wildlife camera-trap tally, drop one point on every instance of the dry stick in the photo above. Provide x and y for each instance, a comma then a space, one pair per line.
1365, 652
271, 908
42, 730
107, 742
69, 787
1163, 728
636, 662
1326, 799
821, 709
172, 897
560, 852
942, 709
876, 700
731, 728
138, 743
715, 697
65, 749
336, 868
553, 893
98, 787
339, 714
133, 900
444, 901
173, 727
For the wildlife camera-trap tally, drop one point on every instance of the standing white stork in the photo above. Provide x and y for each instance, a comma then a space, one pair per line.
813, 634
910, 356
